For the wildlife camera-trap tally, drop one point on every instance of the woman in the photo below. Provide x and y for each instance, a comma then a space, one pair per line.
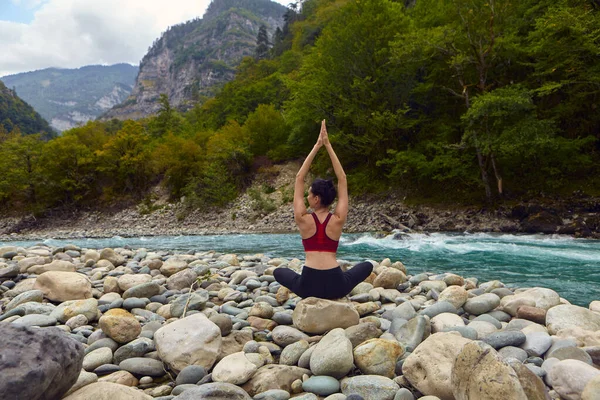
321, 231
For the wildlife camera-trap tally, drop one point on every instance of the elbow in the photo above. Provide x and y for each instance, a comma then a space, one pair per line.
342, 177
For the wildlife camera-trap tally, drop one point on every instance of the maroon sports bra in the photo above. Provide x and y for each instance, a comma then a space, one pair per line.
320, 241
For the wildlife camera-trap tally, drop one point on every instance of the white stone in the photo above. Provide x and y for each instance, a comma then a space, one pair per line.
193, 340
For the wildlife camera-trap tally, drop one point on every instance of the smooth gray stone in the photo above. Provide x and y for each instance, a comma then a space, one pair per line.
499, 315
537, 343
535, 360
321, 385
361, 298
29, 308
396, 325
505, 338
197, 302
182, 388
152, 326
411, 334
36, 296
231, 310
143, 367
273, 394
116, 304
251, 346
135, 348
36, 362
517, 324
465, 331
159, 298
253, 284
143, 290
9, 284
170, 397
490, 319
405, 311
150, 316
215, 391
502, 292
11, 271
570, 353
246, 303
134, 302
536, 370
404, 394
223, 322
191, 374
439, 308
559, 344
513, 352
267, 299
416, 279
282, 318
594, 352
105, 342
37, 320
106, 369
481, 304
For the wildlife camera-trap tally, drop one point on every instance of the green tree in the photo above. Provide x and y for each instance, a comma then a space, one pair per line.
267, 130
21, 175
124, 160
262, 43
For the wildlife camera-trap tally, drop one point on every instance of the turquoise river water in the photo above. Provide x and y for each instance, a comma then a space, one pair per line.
569, 266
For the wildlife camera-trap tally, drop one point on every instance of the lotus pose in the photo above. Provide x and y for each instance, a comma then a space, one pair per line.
321, 230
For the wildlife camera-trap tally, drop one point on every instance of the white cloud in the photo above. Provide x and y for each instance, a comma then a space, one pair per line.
73, 33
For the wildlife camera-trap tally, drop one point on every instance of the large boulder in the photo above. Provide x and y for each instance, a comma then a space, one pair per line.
56, 265
570, 377
314, 315
62, 286
429, 367
37, 364
193, 340
332, 355
274, 376
570, 316
107, 391
480, 374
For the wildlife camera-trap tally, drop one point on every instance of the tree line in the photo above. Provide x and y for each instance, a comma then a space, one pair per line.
445, 100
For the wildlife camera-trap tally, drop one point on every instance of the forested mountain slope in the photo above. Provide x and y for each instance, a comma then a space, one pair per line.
19, 117
70, 97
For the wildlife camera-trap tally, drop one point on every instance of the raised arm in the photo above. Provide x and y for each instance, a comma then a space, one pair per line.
341, 209
299, 207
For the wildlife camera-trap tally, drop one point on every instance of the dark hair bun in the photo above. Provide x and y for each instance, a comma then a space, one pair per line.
325, 190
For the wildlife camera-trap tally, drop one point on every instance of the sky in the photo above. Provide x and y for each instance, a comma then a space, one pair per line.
37, 34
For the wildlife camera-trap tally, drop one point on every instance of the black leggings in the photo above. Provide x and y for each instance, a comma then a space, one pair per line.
324, 283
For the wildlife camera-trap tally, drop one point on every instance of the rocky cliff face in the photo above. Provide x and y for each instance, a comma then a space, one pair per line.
191, 61
71, 97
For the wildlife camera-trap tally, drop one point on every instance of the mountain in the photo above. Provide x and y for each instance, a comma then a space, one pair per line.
15, 113
70, 97
190, 61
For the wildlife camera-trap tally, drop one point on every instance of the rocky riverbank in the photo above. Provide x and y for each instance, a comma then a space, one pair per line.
133, 324
266, 208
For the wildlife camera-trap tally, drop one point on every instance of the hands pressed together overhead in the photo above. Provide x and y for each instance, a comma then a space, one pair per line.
323, 136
